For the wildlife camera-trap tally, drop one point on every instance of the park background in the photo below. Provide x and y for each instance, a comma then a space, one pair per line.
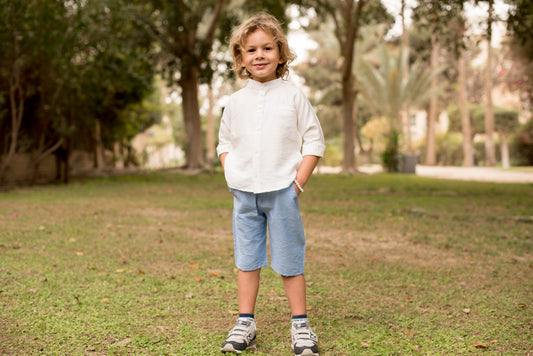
122, 99
89, 87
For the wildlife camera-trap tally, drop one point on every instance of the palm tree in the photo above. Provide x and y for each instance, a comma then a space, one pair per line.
388, 90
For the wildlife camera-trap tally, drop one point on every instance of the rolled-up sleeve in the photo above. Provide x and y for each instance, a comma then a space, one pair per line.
309, 128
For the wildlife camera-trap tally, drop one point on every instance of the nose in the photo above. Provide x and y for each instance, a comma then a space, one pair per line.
259, 53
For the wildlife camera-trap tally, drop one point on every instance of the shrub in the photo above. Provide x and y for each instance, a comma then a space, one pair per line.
523, 144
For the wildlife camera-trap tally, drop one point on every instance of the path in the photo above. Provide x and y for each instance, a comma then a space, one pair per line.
482, 174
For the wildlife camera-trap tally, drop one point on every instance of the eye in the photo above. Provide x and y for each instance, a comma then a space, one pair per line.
251, 50
268, 48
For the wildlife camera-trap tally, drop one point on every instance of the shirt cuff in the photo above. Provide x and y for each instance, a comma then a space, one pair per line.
314, 150
221, 150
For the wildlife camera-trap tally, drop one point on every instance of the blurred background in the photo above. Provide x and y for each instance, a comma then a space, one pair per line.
115, 85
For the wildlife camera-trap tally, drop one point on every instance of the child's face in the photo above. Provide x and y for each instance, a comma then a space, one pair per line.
261, 56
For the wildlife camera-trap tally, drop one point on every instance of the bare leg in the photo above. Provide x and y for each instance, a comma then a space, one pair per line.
295, 291
248, 286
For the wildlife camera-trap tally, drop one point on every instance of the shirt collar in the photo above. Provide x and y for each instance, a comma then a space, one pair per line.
252, 84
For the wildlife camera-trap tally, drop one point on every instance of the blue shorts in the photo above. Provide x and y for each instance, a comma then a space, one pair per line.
280, 211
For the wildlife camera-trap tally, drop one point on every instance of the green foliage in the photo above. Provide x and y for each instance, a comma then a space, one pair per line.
523, 143
387, 90
78, 61
389, 156
448, 149
333, 154
505, 121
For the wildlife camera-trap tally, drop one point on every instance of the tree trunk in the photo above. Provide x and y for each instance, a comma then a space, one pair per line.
191, 116
490, 159
466, 129
348, 100
210, 130
431, 155
98, 146
350, 29
405, 115
16, 101
505, 151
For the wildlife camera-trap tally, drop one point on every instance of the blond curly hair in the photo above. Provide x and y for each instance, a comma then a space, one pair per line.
264, 22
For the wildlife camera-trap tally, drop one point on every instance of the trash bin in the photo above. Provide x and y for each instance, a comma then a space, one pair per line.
407, 163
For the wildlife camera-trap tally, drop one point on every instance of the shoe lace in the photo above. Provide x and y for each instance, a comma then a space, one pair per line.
304, 333
241, 329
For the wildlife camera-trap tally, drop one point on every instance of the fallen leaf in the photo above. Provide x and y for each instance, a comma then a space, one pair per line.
193, 266
189, 295
79, 253
141, 271
466, 310
122, 261
233, 312
309, 307
155, 290
120, 270
105, 300
198, 279
365, 344
480, 345
408, 332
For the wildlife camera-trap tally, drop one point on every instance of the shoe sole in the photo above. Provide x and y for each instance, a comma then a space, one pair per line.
229, 348
308, 353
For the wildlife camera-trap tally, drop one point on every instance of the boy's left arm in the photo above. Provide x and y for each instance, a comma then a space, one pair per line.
304, 172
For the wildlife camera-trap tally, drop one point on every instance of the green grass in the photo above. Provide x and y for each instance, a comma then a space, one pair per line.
396, 265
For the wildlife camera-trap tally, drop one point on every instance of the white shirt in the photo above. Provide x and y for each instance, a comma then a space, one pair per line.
266, 129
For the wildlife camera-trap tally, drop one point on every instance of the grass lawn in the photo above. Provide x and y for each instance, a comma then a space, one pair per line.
396, 265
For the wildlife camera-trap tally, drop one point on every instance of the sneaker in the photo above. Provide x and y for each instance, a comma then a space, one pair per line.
304, 340
241, 337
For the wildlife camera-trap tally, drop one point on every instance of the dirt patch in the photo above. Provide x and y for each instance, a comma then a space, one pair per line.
346, 247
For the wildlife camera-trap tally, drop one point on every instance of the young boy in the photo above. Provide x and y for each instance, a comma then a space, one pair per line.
270, 141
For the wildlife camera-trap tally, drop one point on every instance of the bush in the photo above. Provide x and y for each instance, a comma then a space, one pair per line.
523, 145
390, 156
333, 155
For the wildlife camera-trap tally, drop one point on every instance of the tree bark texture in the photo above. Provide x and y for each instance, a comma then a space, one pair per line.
466, 129
431, 155
191, 116
346, 31
490, 152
